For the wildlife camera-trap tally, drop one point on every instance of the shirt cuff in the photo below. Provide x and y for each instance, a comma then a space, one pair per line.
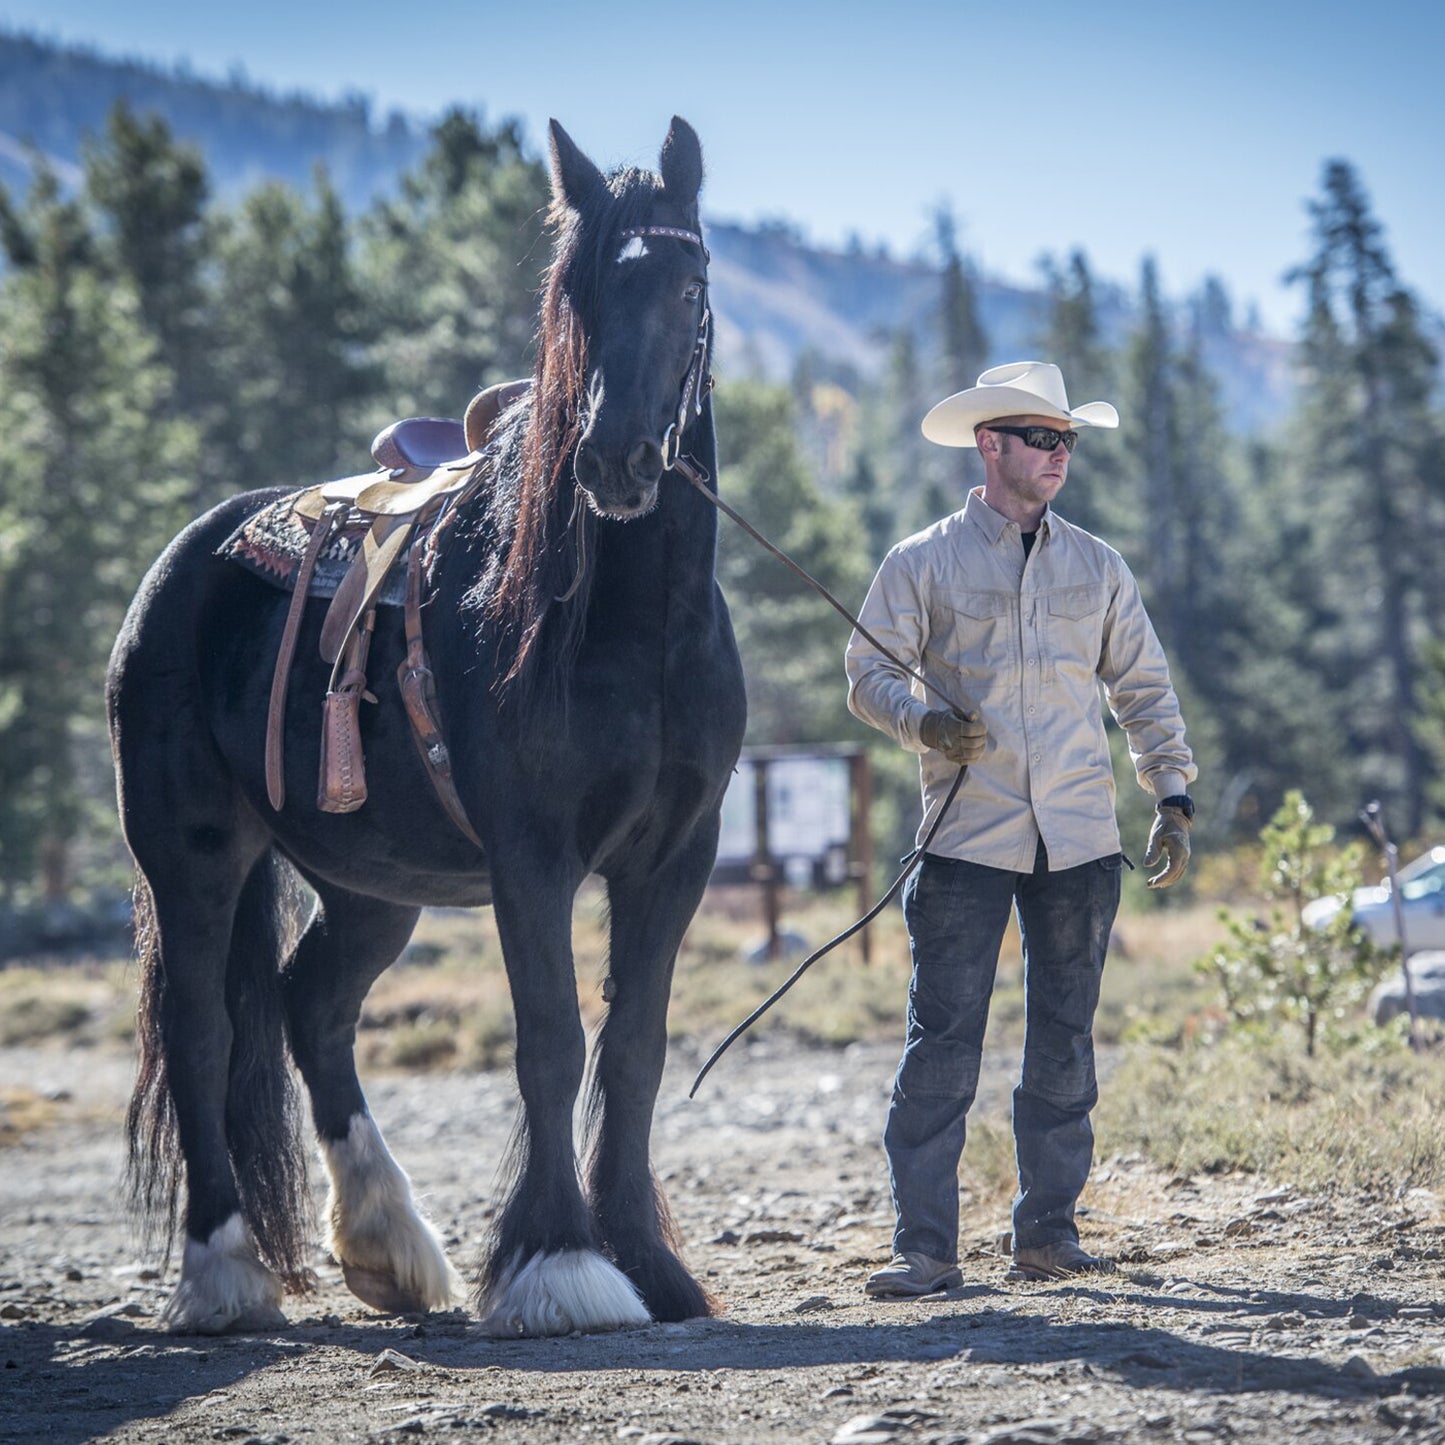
1168, 785
910, 723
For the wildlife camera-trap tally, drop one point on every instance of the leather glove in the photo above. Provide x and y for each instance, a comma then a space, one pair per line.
1169, 838
960, 739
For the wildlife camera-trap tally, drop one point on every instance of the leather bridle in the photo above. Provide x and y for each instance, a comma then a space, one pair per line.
697, 382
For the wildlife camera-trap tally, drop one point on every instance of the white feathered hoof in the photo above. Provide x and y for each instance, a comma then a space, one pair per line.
390, 1256
224, 1288
555, 1294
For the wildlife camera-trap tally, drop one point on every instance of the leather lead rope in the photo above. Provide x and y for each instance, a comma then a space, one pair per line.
698, 477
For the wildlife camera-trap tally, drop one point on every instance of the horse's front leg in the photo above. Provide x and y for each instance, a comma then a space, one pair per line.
389, 1253
544, 1274
650, 914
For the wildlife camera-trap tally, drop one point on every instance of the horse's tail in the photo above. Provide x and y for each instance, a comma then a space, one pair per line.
262, 1115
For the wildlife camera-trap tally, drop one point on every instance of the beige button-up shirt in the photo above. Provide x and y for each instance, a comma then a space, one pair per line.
1027, 644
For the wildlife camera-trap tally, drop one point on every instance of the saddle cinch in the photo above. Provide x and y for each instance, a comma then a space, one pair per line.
425, 466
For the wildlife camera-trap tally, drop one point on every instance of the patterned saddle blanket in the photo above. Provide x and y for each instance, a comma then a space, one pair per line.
273, 542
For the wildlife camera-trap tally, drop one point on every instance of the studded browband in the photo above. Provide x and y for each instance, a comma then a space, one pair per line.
676, 232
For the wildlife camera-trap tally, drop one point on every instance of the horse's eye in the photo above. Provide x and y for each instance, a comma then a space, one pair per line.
693, 291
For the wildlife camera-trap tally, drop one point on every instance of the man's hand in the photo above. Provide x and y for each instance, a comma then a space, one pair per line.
1168, 837
960, 739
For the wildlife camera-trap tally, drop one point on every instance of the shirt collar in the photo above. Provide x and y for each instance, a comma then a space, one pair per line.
995, 525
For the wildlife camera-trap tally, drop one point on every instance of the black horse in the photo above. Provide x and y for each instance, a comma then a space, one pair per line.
591, 694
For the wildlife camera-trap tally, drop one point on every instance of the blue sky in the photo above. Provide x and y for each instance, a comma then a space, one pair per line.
1195, 132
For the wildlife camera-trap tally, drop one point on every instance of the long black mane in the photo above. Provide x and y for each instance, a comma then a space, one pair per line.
536, 526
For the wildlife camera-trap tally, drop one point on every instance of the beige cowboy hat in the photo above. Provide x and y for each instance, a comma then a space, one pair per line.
1019, 388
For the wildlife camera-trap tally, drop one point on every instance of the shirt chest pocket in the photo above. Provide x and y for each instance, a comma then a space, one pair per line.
973, 632
1074, 629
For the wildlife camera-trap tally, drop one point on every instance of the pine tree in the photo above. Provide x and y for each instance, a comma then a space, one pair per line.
963, 345
907, 461
1150, 425
151, 193
1372, 457
963, 356
452, 267
791, 641
92, 468
1072, 339
292, 333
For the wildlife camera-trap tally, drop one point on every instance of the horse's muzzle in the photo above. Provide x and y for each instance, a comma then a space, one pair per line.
624, 489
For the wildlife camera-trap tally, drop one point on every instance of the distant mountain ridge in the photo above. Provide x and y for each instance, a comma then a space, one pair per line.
776, 297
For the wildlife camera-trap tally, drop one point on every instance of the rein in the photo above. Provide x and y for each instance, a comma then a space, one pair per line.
696, 384
699, 479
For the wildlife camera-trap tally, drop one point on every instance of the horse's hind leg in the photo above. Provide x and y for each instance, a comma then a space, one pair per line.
649, 917
390, 1255
213, 1079
544, 1274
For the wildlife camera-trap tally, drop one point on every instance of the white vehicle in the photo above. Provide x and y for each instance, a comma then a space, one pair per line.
1422, 901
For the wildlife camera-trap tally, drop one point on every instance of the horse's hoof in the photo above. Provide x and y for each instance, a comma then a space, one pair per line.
185, 1318
382, 1291
555, 1294
392, 1258
224, 1288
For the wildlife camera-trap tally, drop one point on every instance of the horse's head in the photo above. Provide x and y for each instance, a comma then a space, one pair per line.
635, 277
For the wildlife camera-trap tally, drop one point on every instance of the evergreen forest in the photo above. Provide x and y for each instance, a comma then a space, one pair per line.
164, 349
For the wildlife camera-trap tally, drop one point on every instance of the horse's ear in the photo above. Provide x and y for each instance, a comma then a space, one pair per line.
681, 163
574, 177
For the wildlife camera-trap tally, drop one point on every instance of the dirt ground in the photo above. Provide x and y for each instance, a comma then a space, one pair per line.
1244, 1311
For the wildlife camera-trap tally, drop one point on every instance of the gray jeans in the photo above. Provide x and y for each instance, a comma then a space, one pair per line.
956, 914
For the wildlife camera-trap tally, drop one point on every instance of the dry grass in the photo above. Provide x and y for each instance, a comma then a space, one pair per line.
452, 1009
84, 1003
22, 1111
1362, 1118
447, 1005
1365, 1118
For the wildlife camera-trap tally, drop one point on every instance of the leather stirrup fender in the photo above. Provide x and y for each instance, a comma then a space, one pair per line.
276, 711
383, 544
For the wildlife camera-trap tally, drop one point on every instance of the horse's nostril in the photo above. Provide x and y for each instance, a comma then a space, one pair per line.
588, 468
644, 462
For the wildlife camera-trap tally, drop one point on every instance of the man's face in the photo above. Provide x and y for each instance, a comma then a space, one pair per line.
1030, 475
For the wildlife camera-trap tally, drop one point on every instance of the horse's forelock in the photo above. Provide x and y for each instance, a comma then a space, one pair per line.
587, 242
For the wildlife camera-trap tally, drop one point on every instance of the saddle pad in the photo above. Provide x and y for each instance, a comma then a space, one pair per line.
272, 542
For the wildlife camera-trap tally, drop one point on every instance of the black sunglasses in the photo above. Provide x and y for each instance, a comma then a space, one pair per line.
1041, 438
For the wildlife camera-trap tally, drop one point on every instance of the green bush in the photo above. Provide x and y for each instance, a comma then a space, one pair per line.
1279, 967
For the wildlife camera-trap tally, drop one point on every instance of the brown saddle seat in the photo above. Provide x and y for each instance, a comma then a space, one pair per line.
420, 441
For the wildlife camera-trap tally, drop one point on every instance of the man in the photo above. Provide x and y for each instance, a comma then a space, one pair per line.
1015, 617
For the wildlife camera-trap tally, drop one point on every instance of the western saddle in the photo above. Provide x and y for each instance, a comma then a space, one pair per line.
425, 466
